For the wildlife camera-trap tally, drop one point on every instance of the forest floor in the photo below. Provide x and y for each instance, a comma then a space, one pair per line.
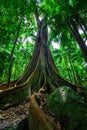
13, 115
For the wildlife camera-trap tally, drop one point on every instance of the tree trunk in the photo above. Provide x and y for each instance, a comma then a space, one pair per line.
76, 34
42, 72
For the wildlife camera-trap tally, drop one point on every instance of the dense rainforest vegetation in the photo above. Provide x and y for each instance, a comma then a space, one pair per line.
43, 47
69, 56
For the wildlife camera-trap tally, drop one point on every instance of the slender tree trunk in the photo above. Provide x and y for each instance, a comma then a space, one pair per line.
82, 25
78, 77
12, 52
69, 74
73, 72
76, 34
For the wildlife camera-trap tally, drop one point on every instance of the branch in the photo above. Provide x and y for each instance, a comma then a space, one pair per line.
37, 17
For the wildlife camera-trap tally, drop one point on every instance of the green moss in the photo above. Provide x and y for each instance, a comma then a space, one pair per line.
69, 107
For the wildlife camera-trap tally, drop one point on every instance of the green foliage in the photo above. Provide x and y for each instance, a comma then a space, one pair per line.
23, 55
69, 59
21, 58
11, 13
69, 107
68, 62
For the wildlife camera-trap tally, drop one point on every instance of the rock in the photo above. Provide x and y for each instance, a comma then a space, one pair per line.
69, 107
10, 128
15, 117
21, 125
